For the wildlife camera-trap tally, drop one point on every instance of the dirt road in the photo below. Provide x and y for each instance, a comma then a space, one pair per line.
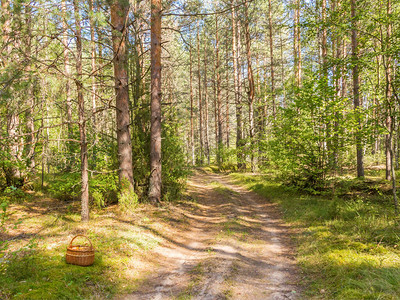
226, 243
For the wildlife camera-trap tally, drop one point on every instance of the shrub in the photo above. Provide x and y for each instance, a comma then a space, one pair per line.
103, 189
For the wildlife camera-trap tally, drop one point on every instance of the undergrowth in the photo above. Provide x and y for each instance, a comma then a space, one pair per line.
348, 247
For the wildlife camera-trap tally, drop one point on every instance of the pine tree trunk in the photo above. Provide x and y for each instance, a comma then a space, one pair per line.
29, 115
200, 101
69, 145
82, 121
219, 101
242, 142
155, 106
337, 73
297, 43
93, 74
207, 134
227, 126
356, 93
271, 53
388, 93
119, 12
191, 108
251, 83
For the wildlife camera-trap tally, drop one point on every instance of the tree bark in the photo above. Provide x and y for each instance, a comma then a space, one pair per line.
119, 14
297, 43
251, 83
336, 43
155, 106
227, 121
271, 55
219, 100
200, 99
356, 93
93, 65
207, 134
236, 77
30, 124
67, 72
191, 108
388, 93
81, 112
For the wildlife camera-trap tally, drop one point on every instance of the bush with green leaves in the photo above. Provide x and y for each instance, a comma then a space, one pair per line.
174, 168
66, 186
299, 147
103, 188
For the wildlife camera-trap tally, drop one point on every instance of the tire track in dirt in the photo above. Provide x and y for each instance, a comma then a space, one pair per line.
232, 245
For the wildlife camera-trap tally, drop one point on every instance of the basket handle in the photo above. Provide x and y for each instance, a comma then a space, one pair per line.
91, 246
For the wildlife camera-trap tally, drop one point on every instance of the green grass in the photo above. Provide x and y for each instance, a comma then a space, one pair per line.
348, 248
34, 267
222, 190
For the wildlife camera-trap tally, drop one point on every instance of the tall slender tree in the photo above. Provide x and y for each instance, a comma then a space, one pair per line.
155, 106
82, 117
119, 21
356, 87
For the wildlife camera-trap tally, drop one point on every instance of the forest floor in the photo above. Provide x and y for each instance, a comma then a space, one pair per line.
219, 241
230, 243
236, 236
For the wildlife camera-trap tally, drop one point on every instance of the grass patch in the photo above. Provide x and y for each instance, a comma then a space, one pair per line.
222, 190
348, 248
33, 265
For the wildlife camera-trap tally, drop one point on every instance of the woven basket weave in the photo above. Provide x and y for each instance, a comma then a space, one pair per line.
81, 255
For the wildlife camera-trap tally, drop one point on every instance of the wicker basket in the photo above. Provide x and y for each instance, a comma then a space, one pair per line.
81, 255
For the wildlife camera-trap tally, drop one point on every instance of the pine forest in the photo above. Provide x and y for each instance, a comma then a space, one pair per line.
216, 149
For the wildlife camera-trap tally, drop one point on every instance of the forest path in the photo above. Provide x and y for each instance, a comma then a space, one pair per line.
228, 243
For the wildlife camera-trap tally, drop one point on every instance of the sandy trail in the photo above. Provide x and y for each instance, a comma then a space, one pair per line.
231, 244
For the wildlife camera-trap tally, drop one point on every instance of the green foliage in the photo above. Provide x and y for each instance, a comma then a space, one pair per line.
14, 193
308, 135
103, 189
3, 217
128, 200
65, 186
348, 249
174, 170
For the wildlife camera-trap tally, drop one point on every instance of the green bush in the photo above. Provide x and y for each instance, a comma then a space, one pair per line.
174, 168
66, 186
103, 189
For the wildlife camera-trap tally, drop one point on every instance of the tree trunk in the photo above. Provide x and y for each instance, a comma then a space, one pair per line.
236, 81
119, 12
282, 70
251, 83
227, 127
93, 65
29, 115
191, 108
200, 100
388, 93
82, 121
207, 137
297, 43
219, 101
155, 131
271, 55
69, 145
356, 93
336, 43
